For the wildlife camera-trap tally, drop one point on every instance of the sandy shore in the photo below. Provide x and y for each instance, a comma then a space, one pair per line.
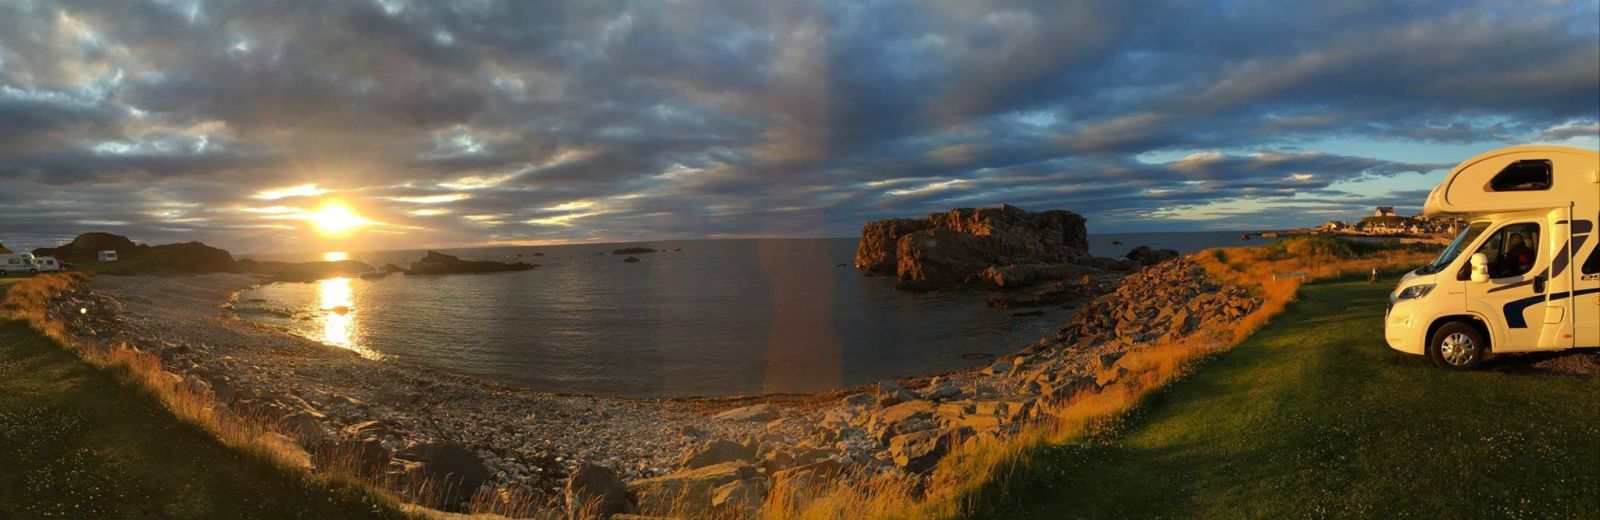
528, 439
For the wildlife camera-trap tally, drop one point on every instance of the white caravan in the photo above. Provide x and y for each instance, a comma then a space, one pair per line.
109, 255
1523, 276
48, 263
18, 263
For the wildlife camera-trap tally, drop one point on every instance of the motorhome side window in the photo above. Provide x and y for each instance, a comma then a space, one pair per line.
1528, 175
1512, 250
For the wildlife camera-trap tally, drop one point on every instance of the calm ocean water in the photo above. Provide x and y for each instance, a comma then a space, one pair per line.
720, 317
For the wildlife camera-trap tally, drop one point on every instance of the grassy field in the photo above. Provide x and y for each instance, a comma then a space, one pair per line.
78, 443
1314, 416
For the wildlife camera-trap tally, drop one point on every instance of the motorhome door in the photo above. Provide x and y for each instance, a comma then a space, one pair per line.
1514, 298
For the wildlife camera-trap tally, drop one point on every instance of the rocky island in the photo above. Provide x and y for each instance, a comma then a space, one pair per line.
435, 262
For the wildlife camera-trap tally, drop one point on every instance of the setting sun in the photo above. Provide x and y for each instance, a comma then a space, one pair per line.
335, 218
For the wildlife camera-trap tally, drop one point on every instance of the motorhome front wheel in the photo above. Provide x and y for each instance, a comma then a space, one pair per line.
1457, 346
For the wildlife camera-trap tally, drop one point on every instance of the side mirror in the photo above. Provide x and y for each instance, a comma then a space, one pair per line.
1480, 268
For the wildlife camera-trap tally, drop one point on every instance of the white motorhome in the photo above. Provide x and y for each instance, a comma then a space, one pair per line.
1522, 276
109, 255
18, 263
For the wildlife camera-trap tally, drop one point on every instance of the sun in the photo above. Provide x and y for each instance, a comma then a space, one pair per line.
334, 218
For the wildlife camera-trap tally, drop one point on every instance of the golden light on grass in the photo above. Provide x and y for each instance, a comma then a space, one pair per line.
335, 218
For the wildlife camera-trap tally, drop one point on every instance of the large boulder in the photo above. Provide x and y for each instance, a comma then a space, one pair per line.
689, 491
595, 492
455, 470
954, 247
918, 451
717, 452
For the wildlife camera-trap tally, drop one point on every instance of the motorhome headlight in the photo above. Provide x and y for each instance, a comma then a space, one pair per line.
1415, 291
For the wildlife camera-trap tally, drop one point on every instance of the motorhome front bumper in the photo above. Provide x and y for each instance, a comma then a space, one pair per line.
1401, 332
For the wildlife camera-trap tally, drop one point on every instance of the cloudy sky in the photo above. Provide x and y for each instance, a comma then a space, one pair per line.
475, 122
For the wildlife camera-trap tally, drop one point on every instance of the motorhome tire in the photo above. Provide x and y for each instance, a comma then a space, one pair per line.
1457, 346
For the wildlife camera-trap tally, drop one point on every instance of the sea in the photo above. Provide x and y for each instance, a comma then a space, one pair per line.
696, 318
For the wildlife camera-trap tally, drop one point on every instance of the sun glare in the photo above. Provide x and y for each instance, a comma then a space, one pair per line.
335, 256
335, 218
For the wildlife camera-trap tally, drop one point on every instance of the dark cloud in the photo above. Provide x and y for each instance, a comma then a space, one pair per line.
501, 121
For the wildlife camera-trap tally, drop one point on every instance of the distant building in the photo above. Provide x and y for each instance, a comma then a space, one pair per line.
1384, 211
1335, 225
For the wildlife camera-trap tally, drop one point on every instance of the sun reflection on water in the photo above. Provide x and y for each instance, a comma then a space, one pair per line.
338, 316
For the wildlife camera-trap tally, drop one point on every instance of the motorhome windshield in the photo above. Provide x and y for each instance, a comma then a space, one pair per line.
1455, 248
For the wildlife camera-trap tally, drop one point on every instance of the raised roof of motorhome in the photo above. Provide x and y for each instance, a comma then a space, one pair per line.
1518, 178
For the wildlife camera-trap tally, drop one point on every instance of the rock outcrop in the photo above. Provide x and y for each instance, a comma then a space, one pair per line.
439, 263
955, 247
632, 251
1147, 256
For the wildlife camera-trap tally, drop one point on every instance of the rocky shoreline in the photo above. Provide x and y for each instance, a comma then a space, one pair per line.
697, 456
726, 454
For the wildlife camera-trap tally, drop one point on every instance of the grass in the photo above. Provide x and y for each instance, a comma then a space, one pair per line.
1314, 416
80, 441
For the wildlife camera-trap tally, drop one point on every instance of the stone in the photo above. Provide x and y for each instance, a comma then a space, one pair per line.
999, 367
593, 491
692, 488
807, 480
376, 429
305, 424
859, 399
717, 452
899, 419
941, 391
917, 452
455, 468
285, 447
754, 413
742, 498
896, 396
